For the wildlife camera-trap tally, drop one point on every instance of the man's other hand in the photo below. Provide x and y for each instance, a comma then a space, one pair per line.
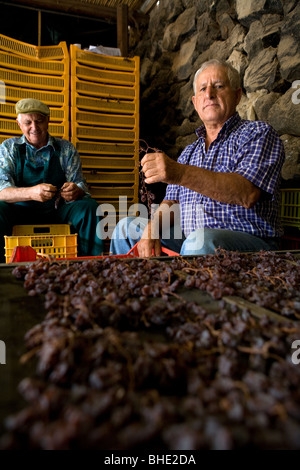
43, 192
71, 192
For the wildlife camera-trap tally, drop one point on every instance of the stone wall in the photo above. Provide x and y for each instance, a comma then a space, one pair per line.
261, 38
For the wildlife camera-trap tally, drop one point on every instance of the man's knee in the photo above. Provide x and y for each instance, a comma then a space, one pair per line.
129, 227
88, 205
194, 241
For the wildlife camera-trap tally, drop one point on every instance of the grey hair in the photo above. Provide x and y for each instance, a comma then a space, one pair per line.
233, 75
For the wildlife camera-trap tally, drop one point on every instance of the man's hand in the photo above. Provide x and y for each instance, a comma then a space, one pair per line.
149, 244
71, 192
147, 248
158, 167
42, 192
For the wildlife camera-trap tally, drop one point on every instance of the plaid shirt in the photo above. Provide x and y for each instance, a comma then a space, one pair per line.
68, 156
252, 149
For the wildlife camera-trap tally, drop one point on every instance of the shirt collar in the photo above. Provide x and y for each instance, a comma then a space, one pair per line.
50, 142
228, 126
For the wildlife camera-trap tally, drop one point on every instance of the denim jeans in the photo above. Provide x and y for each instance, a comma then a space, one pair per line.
200, 242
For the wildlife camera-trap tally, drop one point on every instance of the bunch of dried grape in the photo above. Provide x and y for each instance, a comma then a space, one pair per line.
265, 278
146, 195
124, 361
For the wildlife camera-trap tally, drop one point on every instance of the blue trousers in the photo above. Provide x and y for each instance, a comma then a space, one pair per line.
200, 242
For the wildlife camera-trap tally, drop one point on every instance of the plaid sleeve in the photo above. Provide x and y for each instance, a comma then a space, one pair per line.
259, 156
172, 192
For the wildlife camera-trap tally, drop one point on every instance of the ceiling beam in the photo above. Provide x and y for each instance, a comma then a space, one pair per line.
122, 28
72, 7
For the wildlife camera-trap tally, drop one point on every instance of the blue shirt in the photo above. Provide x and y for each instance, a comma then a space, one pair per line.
68, 156
252, 149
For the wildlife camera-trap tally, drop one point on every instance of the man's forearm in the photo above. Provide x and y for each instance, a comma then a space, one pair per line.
41, 192
166, 213
12, 195
229, 188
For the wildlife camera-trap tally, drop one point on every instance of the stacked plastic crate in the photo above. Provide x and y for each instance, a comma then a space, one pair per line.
28, 71
290, 218
105, 127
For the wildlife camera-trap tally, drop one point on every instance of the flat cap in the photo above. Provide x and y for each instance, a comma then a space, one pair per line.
30, 105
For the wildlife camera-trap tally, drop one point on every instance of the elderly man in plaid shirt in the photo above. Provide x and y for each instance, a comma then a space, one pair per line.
224, 188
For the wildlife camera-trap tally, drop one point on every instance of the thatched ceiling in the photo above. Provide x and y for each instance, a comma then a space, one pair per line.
89, 8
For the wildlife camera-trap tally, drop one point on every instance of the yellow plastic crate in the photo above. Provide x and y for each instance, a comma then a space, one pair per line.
32, 65
113, 192
11, 45
106, 105
4, 137
103, 90
11, 127
103, 61
11, 93
43, 82
56, 229
106, 149
108, 162
102, 133
56, 114
103, 76
290, 207
49, 240
106, 120
101, 177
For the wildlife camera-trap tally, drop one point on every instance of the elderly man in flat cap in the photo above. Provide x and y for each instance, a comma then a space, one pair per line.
38, 170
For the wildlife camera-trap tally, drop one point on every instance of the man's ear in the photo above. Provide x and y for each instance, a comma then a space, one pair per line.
194, 101
18, 122
239, 93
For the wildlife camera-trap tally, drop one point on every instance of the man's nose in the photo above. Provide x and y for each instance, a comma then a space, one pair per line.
210, 91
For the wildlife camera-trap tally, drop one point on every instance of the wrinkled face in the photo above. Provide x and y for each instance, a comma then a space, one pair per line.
35, 128
215, 101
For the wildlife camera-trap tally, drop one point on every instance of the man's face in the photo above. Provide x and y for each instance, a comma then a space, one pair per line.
215, 101
35, 128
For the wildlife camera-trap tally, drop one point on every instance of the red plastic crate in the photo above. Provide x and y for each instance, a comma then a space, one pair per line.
27, 253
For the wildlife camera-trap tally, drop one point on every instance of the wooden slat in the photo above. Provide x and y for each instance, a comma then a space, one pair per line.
122, 29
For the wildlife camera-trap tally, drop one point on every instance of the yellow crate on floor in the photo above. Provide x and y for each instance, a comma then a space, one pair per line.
49, 240
290, 207
55, 229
